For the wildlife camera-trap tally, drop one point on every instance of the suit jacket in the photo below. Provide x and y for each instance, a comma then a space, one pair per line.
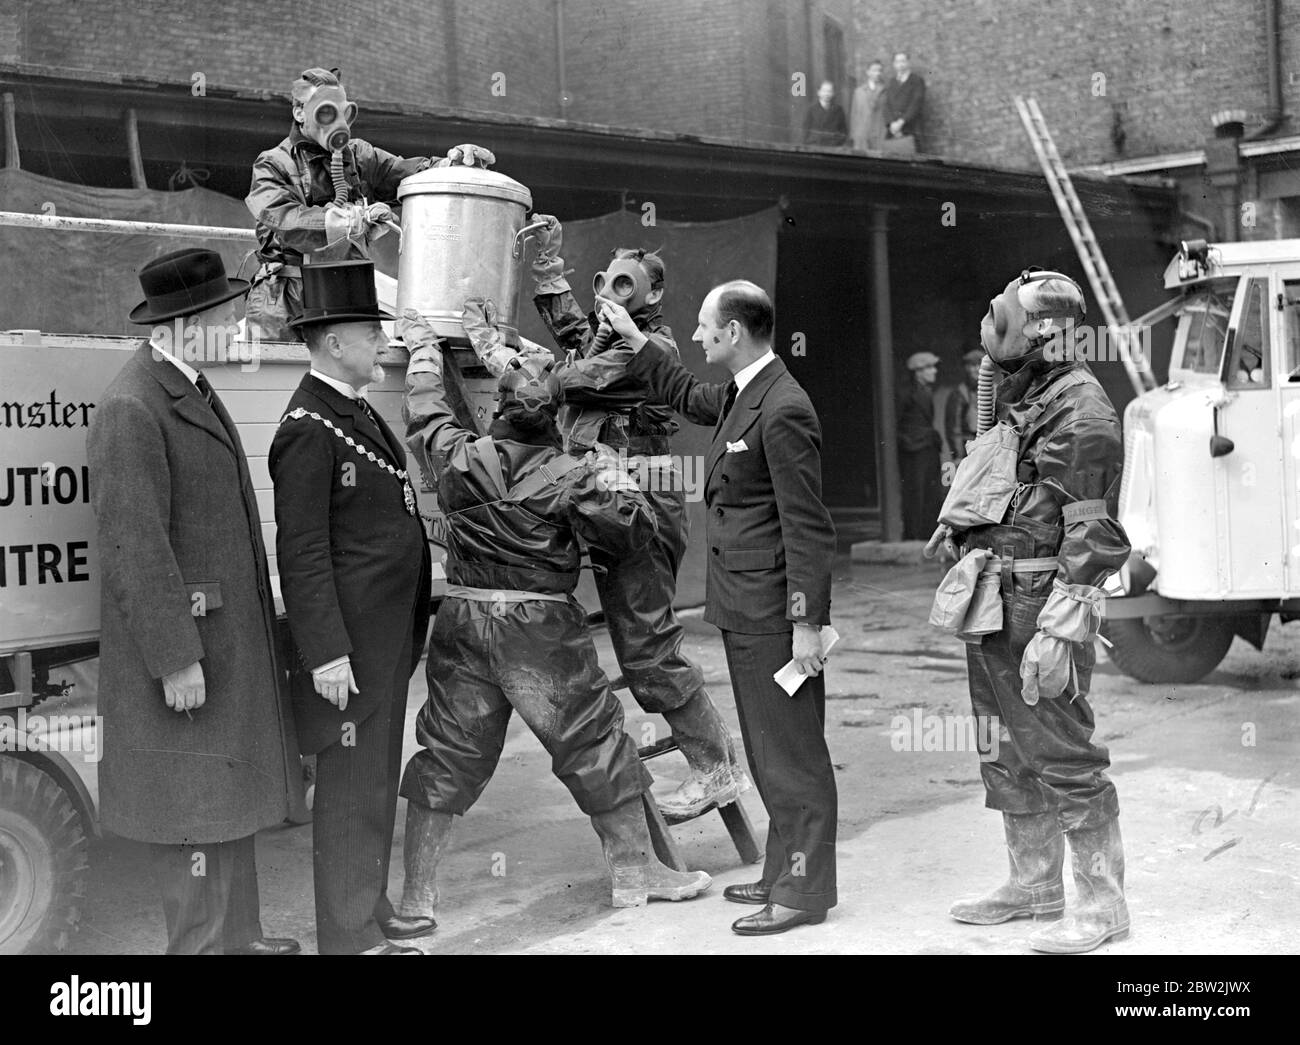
771, 540
354, 564
184, 579
906, 102
825, 126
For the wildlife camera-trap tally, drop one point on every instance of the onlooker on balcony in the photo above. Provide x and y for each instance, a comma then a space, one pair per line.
867, 111
825, 122
904, 107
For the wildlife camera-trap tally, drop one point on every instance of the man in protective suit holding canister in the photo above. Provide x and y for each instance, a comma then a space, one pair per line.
509, 635
325, 193
604, 406
1034, 503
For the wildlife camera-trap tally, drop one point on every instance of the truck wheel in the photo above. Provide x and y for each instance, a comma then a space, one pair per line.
1168, 649
43, 861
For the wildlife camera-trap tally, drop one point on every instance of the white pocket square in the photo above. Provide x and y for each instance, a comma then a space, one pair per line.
735, 448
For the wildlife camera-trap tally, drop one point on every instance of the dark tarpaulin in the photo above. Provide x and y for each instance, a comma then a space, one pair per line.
85, 282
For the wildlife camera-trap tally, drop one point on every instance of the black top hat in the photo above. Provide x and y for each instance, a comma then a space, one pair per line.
338, 292
182, 283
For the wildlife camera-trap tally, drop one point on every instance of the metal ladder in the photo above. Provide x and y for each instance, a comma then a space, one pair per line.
1103, 285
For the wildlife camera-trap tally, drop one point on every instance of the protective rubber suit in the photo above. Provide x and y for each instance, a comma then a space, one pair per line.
1034, 504
324, 193
605, 407
509, 635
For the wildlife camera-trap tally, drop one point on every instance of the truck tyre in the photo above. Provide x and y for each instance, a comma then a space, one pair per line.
1168, 649
44, 861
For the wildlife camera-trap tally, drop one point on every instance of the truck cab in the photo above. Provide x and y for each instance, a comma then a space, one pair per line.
1210, 497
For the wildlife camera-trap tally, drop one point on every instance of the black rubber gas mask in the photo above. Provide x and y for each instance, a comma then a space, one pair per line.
625, 283
1031, 310
328, 117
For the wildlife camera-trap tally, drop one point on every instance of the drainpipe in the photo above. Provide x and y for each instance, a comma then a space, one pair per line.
559, 59
1276, 114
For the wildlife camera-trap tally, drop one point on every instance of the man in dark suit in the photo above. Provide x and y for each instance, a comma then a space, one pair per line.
354, 571
904, 101
198, 743
771, 543
825, 123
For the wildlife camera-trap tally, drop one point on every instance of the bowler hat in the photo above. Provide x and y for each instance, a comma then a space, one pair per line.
182, 283
339, 292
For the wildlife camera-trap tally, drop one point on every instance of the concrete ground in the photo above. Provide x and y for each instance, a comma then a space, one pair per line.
1207, 777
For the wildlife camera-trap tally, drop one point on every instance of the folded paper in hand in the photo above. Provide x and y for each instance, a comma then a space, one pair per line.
790, 678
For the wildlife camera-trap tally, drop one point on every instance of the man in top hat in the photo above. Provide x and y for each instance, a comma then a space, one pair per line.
198, 747
325, 193
355, 576
918, 448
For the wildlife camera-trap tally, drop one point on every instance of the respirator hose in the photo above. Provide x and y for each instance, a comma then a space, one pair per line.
604, 333
986, 395
336, 176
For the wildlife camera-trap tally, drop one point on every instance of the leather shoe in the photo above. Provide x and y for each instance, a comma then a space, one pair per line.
750, 892
267, 945
773, 919
392, 948
400, 928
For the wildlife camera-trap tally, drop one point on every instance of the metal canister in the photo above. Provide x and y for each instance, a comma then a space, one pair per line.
463, 231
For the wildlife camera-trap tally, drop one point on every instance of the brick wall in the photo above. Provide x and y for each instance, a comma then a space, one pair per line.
414, 52
1167, 65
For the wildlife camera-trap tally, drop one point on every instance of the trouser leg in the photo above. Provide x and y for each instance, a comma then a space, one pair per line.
785, 740
196, 882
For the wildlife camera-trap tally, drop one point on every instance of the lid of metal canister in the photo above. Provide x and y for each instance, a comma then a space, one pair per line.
459, 180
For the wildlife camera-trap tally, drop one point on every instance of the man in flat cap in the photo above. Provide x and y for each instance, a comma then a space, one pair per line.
918, 448
198, 741
354, 571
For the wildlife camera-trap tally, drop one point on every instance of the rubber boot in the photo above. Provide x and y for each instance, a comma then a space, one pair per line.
716, 779
1100, 914
1036, 852
636, 872
427, 833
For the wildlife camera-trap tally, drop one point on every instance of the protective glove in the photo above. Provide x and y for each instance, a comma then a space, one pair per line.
548, 266
1071, 614
469, 155
942, 545
1046, 668
344, 221
478, 318
379, 213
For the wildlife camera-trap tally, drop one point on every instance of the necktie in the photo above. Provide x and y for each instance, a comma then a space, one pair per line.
209, 395
729, 402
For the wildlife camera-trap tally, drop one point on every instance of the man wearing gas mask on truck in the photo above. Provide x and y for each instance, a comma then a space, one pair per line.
1031, 512
325, 193
509, 636
604, 407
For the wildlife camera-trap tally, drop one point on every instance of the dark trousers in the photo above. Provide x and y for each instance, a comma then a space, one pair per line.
785, 743
636, 594
209, 894
352, 832
922, 492
1046, 759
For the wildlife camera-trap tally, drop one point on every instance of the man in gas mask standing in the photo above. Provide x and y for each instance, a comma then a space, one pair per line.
325, 193
1035, 502
606, 407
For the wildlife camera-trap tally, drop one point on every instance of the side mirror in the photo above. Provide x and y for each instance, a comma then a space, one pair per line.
1221, 446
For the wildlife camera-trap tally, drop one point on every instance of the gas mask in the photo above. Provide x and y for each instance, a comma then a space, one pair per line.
1033, 309
327, 117
531, 386
625, 283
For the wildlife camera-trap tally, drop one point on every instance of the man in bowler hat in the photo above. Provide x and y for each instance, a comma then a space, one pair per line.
198, 744
355, 575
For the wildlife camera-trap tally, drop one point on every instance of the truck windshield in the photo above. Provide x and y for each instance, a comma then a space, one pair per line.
1203, 326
